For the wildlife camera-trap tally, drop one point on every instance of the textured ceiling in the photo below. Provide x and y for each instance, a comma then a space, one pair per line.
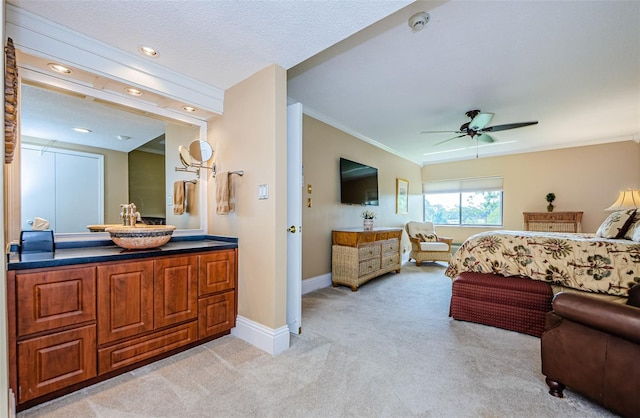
574, 66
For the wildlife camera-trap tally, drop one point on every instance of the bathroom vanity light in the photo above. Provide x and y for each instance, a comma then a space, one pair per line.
59, 68
148, 51
133, 92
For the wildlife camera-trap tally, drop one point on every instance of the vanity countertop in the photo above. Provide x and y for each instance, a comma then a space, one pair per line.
69, 253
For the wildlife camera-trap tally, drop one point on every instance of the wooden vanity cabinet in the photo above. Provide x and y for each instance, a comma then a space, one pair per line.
55, 326
74, 326
217, 298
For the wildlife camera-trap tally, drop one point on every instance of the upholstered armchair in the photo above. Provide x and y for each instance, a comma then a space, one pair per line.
592, 346
426, 245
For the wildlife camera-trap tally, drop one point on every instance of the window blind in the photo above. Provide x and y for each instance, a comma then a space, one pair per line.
463, 185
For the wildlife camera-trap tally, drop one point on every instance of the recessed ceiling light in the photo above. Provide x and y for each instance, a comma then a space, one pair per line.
133, 92
148, 51
123, 137
59, 68
82, 130
189, 108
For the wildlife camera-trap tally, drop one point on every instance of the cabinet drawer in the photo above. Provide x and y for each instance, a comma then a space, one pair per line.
53, 299
55, 361
368, 251
390, 246
216, 314
553, 226
368, 266
141, 348
217, 272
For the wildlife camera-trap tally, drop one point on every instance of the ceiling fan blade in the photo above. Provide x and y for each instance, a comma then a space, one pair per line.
507, 126
486, 138
450, 139
480, 121
440, 132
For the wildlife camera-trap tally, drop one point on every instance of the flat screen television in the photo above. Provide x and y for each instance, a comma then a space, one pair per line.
358, 183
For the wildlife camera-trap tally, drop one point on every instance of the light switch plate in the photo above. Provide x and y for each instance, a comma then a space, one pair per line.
263, 191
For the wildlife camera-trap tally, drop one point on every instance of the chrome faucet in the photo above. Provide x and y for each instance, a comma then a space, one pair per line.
129, 215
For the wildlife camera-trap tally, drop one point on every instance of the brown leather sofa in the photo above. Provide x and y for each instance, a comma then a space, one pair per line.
592, 347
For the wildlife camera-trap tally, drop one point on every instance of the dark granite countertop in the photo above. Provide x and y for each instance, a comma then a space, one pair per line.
83, 252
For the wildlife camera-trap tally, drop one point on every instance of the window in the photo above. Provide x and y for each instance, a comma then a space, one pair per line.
464, 202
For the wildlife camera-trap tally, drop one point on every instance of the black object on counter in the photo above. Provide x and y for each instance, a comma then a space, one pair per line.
37, 242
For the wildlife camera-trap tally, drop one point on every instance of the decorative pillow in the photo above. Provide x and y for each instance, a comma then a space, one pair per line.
426, 237
633, 227
615, 225
636, 235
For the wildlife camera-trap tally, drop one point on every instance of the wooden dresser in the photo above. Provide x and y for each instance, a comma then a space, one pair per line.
553, 221
358, 256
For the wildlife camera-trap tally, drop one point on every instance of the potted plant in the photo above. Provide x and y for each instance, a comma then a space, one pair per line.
368, 217
550, 198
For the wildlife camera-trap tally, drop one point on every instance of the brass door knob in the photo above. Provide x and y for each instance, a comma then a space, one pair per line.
292, 229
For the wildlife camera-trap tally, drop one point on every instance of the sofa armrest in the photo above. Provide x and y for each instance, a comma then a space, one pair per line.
609, 317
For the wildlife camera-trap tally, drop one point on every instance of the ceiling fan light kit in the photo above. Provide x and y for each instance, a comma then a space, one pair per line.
477, 127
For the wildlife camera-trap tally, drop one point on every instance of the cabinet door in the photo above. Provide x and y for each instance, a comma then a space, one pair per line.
55, 361
217, 272
175, 290
54, 299
125, 300
216, 314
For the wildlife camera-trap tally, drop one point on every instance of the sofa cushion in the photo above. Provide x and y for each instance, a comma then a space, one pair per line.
616, 224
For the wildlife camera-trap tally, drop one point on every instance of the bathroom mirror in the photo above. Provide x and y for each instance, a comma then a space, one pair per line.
134, 165
200, 151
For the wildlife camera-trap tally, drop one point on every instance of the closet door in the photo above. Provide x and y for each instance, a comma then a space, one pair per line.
79, 200
37, 187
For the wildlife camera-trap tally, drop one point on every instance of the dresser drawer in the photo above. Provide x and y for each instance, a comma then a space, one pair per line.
390, 246
390, 260
368, 251
368, 266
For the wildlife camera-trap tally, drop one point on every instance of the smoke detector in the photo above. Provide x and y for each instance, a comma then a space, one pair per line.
418, 21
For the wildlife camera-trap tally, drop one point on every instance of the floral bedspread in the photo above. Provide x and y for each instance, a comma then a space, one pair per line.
579, 261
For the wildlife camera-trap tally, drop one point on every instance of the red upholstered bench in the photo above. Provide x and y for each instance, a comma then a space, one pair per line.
513, 303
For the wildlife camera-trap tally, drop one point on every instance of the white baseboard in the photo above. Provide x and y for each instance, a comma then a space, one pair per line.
273, 341
315, 283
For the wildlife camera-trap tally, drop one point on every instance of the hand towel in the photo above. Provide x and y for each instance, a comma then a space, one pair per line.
190, 197
178, 197
232, 193
222, 193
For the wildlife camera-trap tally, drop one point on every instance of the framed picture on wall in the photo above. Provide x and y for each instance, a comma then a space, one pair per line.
402, 196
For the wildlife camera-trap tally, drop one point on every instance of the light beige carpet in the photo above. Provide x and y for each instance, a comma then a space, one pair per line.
388, 350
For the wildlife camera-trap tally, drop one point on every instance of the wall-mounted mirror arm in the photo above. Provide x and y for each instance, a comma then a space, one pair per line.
194, 158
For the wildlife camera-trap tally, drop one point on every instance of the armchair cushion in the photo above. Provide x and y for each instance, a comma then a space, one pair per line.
434, 246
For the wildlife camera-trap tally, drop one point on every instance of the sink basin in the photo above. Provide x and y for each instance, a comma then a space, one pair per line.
140, 237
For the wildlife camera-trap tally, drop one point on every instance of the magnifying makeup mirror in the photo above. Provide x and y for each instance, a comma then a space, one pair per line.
200, 151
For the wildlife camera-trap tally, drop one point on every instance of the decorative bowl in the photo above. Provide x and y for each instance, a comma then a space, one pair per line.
140, 237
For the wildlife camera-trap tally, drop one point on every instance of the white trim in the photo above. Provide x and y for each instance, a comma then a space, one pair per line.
273, 341
38, 36
315, 283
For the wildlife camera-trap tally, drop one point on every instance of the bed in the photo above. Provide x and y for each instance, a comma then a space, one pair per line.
507, 279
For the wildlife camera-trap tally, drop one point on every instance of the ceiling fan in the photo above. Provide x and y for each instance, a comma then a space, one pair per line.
477, 127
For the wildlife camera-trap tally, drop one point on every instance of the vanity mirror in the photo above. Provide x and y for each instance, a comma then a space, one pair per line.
121, 158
